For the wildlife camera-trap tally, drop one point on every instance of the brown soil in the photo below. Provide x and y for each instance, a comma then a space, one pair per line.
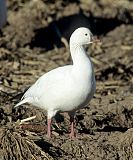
30, 46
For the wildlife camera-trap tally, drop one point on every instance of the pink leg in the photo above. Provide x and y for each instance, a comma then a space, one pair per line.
72, 133
49, 128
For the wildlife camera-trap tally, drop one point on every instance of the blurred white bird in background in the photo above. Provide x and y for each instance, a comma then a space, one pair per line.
67, 88
3, 13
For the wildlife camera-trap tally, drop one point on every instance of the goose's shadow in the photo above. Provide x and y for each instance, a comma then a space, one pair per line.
50, 36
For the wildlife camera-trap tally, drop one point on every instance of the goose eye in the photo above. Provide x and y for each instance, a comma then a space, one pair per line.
86, 34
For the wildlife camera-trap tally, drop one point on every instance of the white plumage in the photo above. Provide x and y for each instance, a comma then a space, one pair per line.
66, 88
3, 13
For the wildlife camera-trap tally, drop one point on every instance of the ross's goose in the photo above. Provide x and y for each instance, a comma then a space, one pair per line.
67, 88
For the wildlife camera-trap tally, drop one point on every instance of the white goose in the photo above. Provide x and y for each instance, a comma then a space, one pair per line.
67, 88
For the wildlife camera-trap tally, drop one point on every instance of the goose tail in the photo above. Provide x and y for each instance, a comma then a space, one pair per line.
22, 102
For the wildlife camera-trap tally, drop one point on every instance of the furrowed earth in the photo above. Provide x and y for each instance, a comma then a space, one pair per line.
31, 44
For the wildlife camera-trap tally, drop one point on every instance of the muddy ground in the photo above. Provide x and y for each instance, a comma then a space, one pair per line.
30, 45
